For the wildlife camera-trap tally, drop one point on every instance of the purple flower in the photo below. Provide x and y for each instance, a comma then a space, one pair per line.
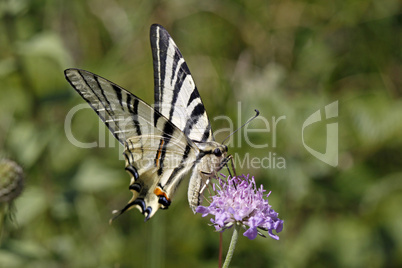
238, 201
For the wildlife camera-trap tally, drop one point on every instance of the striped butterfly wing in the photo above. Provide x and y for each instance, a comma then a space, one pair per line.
157, 153
176, 96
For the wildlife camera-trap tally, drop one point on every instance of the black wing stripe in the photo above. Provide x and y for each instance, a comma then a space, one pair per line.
156, 118
194, 95
102, 91
158, 43
136, 123
129, 106
176, 58
206, 134
181, 76
133, 108
118, 94
197, 112
167, 134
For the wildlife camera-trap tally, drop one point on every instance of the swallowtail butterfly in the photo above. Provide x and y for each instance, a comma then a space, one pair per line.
161, 143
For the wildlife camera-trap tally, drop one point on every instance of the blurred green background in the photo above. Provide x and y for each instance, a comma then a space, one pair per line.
285, 58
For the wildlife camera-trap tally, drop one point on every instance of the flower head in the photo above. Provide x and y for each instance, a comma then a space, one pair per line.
238, 201
11, 180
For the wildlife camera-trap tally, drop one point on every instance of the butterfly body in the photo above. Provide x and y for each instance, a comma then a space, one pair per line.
164, 142
213, 155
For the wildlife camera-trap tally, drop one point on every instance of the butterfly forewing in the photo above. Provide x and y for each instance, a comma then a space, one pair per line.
176, 95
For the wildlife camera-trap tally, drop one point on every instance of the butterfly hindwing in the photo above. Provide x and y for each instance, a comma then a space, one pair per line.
176, 96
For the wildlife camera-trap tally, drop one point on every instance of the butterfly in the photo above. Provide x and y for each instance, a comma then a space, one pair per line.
161, 143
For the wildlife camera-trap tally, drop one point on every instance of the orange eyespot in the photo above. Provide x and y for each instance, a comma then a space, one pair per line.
159, 192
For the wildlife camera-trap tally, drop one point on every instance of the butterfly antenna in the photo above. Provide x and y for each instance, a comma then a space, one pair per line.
257, 113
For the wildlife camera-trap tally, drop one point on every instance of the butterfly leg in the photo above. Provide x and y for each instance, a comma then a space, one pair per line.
205, 185
209, 175
225, 163
233, 166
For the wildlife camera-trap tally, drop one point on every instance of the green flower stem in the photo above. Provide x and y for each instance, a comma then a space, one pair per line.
232, 246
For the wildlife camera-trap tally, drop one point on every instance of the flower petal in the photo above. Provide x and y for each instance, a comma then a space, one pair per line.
203, 210
251, 233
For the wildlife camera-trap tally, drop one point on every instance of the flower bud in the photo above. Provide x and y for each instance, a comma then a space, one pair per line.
11, 180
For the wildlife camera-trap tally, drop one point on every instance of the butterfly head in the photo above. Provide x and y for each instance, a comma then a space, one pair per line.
215, 152
212, 147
